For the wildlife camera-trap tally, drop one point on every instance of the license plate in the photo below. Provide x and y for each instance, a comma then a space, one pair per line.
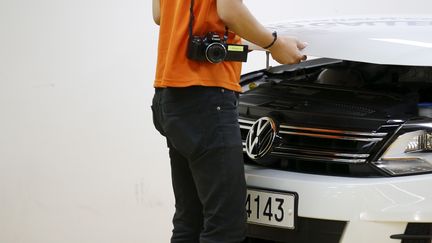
271, 208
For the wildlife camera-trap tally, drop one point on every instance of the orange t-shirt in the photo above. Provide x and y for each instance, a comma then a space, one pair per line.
174, 69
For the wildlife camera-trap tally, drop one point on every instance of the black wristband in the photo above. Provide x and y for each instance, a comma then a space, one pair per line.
274, 40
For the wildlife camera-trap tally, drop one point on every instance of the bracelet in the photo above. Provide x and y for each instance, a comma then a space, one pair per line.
274, 34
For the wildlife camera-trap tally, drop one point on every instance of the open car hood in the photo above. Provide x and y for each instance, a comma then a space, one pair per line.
383, 40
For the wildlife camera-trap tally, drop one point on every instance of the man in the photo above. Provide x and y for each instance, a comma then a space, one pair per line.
195, 108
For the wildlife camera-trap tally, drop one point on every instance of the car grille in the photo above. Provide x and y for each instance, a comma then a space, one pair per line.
324, 151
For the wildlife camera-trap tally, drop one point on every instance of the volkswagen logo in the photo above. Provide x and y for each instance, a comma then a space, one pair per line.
260, 138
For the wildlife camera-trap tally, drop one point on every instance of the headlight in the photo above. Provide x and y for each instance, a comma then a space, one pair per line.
420, 143
410, 152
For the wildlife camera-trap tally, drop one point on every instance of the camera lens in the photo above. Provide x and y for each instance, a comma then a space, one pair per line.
215, 52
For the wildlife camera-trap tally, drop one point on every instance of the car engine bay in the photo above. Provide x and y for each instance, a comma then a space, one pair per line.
333, 117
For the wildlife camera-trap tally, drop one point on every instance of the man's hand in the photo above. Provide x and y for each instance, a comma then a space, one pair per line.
287, 50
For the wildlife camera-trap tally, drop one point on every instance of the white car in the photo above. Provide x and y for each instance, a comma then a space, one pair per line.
338, 149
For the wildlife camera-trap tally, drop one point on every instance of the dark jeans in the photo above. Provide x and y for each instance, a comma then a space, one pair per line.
205, 147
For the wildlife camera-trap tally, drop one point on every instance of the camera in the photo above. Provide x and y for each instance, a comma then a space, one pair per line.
213, 49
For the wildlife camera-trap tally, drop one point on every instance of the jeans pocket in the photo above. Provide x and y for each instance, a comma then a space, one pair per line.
224, 130
184, 131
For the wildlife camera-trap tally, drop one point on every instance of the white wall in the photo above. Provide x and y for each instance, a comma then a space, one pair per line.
79, 158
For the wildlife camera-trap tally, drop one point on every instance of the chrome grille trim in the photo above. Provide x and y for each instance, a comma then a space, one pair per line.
323, 153
320, 158
317, 155
382, 134
246, 121
337, 137
245, 126
322, 133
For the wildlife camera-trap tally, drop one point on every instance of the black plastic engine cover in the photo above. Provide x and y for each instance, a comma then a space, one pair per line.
325, 105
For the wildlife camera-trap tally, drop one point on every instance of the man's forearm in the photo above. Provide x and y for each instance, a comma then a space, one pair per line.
156, 11
238, 19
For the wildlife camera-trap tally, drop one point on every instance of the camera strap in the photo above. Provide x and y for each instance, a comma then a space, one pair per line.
191, 21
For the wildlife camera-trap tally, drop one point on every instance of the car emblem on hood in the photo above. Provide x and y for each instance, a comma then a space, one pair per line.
260, 138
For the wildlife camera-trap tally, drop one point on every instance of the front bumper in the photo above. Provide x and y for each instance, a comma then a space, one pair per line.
373, 208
